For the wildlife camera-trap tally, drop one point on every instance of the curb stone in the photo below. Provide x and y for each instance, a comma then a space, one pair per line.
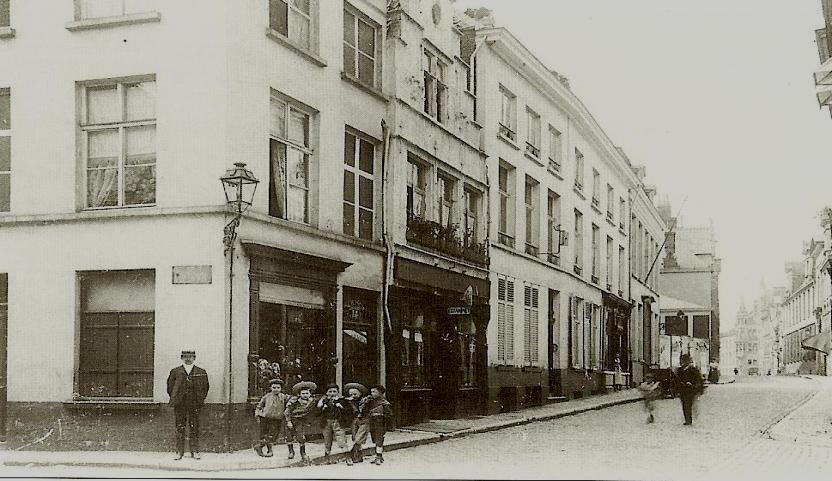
317, 460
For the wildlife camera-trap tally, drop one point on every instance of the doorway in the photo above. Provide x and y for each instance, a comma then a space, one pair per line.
553, 337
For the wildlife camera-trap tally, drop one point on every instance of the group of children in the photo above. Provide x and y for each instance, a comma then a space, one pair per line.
365, 412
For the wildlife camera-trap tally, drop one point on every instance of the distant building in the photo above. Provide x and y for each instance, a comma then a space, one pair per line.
727, 353
690, 270
804, 303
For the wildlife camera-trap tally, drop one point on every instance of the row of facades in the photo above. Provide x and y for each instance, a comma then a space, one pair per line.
437, 212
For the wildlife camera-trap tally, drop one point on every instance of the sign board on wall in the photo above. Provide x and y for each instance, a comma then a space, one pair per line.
192, 274
459, 311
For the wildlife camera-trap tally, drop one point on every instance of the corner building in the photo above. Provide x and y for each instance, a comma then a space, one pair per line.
113, 223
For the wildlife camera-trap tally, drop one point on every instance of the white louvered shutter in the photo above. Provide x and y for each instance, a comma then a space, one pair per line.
533, 327
501, 320
509, 322
527, 299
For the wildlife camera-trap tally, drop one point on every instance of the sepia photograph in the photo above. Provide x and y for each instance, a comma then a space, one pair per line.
416, 239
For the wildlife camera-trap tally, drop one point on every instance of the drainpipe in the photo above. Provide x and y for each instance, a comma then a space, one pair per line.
388, 242
630, 277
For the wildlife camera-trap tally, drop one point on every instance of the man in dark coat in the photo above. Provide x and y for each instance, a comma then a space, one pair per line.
688, 385
187, 388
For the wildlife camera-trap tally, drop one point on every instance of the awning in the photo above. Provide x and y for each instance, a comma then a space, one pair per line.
823, 83
819, 342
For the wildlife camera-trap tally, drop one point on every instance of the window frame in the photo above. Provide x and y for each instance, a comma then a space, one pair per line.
434, 84
81, 6
423, 174
308, 152
7, 133
553, 206
610, 262
579, 242
508, 108
358, 18
610, 202
579, 170
596, 188
85, 128
532, 218
596, 254
446, 189
506, 236
472, 199
311, 17
359, 173
5, 17
533, 133
555, 142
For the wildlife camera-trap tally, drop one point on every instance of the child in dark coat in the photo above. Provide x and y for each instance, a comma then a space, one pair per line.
299, 413
377, 409
334, 411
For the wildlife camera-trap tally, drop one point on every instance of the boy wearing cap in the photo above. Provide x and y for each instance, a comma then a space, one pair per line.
269, 414
298, 413
335, 410
360, 424
187, 388
378, 410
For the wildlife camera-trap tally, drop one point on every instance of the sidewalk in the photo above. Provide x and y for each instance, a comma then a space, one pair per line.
405, 437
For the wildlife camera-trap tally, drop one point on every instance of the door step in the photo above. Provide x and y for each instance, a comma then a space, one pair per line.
556, 399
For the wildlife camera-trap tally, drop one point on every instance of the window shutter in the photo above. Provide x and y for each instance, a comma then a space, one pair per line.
509, 321
527, 354
501, 289
533, 328
501, 331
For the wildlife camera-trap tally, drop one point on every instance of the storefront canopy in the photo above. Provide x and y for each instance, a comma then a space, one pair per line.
819, 342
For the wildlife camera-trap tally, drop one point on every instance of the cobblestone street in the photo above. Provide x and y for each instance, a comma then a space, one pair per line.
612, 443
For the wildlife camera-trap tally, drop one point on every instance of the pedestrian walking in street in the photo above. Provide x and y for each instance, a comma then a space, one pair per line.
650, 391
617, 377
335, 412
689, 386
187, 388
270, 417
356, 395
379, 412
299, 413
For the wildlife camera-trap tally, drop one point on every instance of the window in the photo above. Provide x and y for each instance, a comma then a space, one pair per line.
467, 335
609, 275
596, 189
5, 150
579, 169
590, 336
596, 261
532, 217
413, 345
505, 321
446, 188
622, 213
553, 227
579, 242
119, 130
610, 201
359, 335
289, 153
554, 149
622, 269
116, 334
4, 13
576, 331
508, 114
533, 135
472, 208
87, 9
530, 324
435, 88
359, 157
506, 220
647, 241
360, 39
416, 187
293, 20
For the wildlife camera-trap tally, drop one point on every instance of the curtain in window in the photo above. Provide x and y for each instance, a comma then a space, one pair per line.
277, 177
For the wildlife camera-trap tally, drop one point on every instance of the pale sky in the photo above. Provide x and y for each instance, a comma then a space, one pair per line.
716, 98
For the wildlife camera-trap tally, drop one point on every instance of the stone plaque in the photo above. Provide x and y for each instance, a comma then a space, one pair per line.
191, 274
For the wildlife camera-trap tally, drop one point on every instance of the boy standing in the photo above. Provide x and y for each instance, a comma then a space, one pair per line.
333, 409
379, 412
270, 416
299, 412
360, 424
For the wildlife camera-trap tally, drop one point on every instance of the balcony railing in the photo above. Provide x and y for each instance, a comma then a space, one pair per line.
554, 165
532, 249
532, 150
445, 240
507, 132
505, 239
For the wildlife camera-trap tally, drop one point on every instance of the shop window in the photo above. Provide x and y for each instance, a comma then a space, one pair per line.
359, 336
701, 326
117, 334
292, 345
413, 346
467, 331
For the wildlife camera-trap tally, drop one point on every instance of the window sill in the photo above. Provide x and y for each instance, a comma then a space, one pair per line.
534, 159
622, 231
281, 39
555, 174
6, 32
611, 223
366, 88
596, 209
579, 192
113, 404
107, 22
507, 140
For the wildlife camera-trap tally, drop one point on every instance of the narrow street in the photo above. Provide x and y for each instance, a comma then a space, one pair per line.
612, 443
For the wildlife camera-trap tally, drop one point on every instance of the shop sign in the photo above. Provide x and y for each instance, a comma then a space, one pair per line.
459, 311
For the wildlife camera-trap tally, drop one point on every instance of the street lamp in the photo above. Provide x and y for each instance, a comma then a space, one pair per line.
239, 185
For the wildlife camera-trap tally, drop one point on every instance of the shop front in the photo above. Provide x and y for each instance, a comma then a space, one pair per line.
436, 347
617, 313
292, 317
